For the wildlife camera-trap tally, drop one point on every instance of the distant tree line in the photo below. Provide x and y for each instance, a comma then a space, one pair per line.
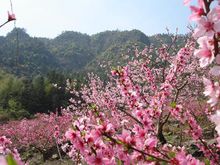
24, 97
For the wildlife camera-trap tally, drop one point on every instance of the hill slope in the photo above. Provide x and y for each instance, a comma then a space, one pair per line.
69, 52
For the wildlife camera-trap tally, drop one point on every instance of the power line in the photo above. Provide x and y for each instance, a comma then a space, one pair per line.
17, 41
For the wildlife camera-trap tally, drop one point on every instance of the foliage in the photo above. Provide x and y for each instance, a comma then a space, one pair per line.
23, 55
23, 97
69, 52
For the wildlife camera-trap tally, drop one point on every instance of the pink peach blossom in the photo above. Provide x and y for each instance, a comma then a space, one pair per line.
11, 17
205, 51
207, 25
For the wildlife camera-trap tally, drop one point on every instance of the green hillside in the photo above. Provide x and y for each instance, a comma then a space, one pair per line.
71, 52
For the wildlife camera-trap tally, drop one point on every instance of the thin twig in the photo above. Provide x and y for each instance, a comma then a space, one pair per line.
128, 114
58, 149
135, 149
4, 24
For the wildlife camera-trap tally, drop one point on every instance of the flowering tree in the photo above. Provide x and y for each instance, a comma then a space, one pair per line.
122, 121
43, 132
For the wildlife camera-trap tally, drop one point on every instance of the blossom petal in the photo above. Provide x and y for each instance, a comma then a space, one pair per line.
215, 71
217, 59
186, 2
217, 26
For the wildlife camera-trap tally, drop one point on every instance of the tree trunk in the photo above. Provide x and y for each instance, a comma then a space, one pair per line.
160, 135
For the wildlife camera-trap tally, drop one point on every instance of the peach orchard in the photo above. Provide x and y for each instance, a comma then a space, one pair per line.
123, 121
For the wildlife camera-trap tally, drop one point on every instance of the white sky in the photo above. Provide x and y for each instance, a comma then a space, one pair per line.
48, 18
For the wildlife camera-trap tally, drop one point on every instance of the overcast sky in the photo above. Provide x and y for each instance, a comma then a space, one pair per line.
49, 18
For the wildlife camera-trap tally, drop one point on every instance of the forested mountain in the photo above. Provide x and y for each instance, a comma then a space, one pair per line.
25, 55
69, 52
33, 71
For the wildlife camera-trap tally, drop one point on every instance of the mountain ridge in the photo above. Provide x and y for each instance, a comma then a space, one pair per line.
68, 52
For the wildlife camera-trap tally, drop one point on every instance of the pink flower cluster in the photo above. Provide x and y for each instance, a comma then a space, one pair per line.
6, 152
41, 132
207, 33
212, 89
